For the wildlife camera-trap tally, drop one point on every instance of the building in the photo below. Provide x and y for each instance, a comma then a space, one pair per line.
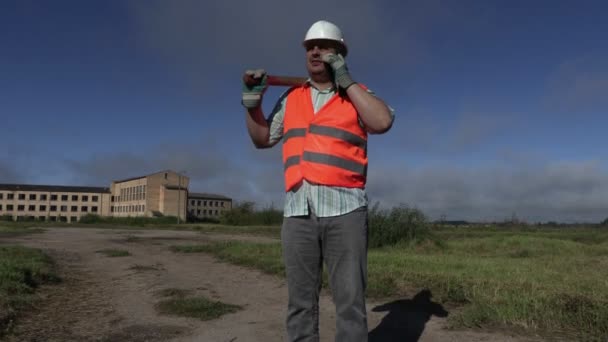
163, 193
52, 203
207, 206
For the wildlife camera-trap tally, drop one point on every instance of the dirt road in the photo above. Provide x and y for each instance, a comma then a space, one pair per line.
112, 299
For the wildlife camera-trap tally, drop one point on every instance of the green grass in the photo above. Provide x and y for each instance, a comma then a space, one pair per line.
143, 223
114, 253
22, 270
538, 281
263, 256
12, 229
144, 268
179, 304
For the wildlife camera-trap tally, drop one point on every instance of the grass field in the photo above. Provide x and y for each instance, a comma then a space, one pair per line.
178, 302
8, 228
547, 281
22, 270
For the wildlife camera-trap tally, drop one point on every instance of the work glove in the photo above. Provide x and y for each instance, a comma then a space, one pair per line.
254, 86
338, 65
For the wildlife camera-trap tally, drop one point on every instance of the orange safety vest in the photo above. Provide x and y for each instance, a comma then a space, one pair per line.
328, 148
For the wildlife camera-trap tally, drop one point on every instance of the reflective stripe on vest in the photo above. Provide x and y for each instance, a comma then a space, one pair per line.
294, 133
330, 160
339, 134
291, 161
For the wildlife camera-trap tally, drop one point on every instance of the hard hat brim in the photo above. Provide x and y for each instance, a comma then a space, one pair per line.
340, 46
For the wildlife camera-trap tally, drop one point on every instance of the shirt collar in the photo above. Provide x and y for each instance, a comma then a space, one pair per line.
326, 91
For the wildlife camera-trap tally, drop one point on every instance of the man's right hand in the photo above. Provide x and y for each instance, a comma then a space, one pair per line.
254, 86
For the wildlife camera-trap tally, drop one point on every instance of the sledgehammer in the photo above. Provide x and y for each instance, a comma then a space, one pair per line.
274, 80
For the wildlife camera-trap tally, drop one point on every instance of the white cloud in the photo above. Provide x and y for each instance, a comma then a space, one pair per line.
565, 191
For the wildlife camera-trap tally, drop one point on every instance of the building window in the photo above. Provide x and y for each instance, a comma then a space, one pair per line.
20, 207
112, 198
32, 197
198, 212
10, 196
21, 196
41, 218
63, 218
74, 208
143, 208
112, 209
85, 198
53, 208
9, 207
64, 197
43, 197
53, 218
64, 208
42, 208
95, 198
74, 197
0, 206
84, 209
74, 219
53, 197
31, 208
1, 195
94, 209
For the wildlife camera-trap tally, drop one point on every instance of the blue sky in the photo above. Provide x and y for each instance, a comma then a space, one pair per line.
500, 105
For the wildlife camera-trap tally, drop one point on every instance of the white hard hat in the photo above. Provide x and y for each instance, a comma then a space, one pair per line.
323, 29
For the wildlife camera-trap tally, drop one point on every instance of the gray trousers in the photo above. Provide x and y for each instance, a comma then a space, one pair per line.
341, 242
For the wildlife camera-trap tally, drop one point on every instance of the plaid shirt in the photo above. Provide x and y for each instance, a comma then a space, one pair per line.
324, 201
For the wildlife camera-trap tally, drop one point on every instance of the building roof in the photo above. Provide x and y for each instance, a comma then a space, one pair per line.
53, 188
144, 176
207, 196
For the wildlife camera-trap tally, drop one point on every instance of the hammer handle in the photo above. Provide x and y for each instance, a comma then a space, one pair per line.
274, 80
288, 81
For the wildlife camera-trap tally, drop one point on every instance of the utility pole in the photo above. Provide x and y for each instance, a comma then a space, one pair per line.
179, 193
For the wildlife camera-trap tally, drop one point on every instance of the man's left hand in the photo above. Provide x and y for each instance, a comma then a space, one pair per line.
338, 65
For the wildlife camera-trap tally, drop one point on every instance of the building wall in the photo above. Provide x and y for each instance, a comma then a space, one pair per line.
130, 198
52, 206
167, 193
208, 207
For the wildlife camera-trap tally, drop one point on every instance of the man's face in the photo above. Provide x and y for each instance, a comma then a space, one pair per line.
314, 50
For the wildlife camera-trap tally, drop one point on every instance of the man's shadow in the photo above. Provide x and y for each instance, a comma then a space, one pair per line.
406, 318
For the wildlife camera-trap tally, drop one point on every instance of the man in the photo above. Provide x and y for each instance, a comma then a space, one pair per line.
324, 125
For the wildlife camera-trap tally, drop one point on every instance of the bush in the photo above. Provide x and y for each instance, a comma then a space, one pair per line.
128, 221
244, 214
91, 218
398, 225
6, 217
